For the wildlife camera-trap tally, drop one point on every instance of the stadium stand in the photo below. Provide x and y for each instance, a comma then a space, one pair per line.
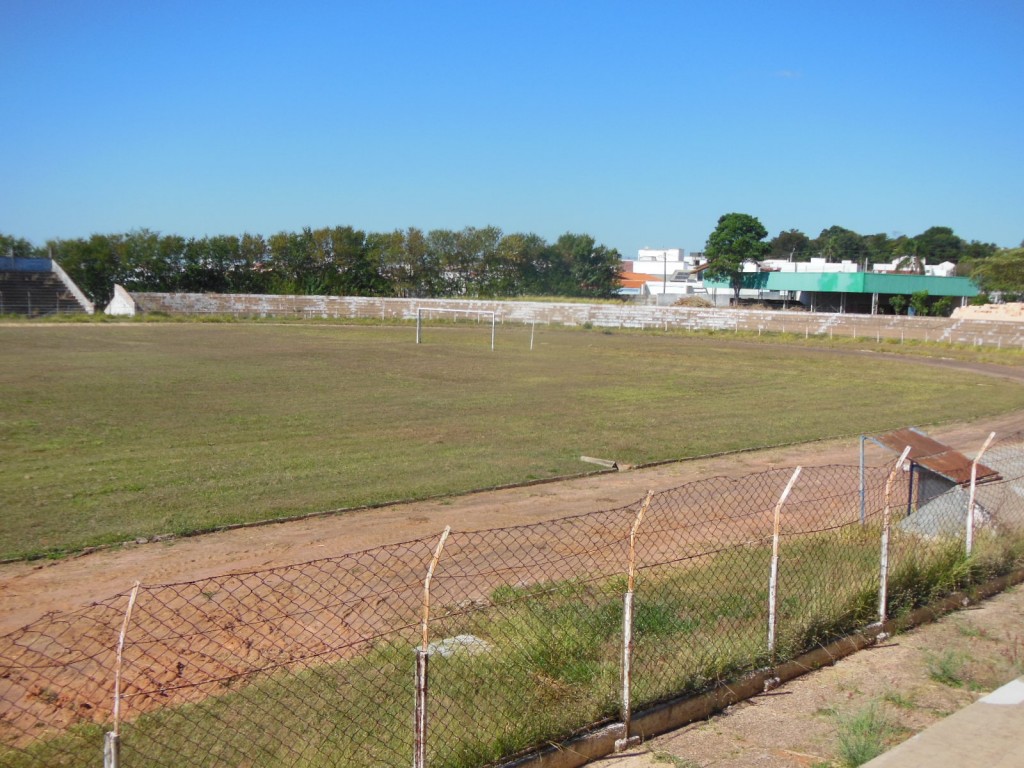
38, 288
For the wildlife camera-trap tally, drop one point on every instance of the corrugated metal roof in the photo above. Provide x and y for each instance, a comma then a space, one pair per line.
935, 456
855, 282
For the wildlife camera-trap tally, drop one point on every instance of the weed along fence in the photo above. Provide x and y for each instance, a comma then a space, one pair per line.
479, 648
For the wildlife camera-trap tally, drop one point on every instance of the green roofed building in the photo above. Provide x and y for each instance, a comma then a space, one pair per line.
840, 291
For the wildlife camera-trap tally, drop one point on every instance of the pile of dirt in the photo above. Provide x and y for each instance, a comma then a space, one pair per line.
1012, 311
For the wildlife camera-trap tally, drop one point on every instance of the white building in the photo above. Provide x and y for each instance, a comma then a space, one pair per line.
906, 264
816, 264
666, 274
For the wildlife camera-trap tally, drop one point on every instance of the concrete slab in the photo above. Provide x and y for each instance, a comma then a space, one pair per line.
986, 734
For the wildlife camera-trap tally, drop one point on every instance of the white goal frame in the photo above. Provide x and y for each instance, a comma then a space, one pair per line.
477, 312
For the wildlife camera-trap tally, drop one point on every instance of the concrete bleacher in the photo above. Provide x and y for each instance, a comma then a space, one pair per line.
893, 327
38, 288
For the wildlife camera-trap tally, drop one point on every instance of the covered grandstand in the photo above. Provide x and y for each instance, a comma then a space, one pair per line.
854, 292
39, 288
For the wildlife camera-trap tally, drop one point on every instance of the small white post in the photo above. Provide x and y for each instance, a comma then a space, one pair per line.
773, 580
493, 317
883, 586
419, 312
971, 511
533, 329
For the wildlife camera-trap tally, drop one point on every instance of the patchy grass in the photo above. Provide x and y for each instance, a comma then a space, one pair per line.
112, 431
899, 700
864, 735
948, 668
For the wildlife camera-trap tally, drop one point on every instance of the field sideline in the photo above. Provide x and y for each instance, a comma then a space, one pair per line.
113, 432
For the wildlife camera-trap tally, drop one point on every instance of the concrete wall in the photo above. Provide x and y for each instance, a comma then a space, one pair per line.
122, 304
934, 329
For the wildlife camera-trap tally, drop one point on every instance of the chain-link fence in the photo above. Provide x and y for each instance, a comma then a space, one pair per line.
466, 649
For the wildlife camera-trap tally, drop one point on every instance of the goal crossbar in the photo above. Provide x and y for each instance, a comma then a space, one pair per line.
430, 310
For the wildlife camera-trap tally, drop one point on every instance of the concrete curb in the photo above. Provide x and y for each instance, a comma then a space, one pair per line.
677, 713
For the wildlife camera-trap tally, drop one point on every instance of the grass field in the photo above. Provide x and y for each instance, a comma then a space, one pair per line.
111, 432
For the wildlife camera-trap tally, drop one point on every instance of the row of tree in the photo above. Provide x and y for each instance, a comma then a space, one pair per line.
935, 245
470, 262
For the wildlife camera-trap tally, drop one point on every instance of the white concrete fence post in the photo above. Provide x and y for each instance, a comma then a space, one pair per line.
883, 577
419, 755
773, 579
112, 739
971, 503
628, 739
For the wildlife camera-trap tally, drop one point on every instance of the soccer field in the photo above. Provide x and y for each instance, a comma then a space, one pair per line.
112, 432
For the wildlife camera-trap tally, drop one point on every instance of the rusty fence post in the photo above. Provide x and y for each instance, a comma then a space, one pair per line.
627, 739
419, 756
773, 580
112, 739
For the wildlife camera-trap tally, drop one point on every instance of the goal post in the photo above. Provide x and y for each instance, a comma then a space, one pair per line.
480, 313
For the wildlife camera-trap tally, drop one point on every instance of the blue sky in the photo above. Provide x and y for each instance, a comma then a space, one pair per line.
639, 123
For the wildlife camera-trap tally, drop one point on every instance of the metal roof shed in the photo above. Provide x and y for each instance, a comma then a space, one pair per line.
938, 466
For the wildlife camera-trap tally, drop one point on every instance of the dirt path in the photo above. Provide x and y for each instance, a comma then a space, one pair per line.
28, 590
908, 682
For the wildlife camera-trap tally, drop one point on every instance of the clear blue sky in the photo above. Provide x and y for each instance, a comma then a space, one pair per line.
639, 123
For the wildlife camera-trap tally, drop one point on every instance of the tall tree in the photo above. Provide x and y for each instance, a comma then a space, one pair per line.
590, 270
837, 244
738, 238
17, 247
938, 244
878, 247
792, 244
251, 270
1002, 272
94, 264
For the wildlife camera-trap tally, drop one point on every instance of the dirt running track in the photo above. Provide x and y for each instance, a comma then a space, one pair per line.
28, 590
